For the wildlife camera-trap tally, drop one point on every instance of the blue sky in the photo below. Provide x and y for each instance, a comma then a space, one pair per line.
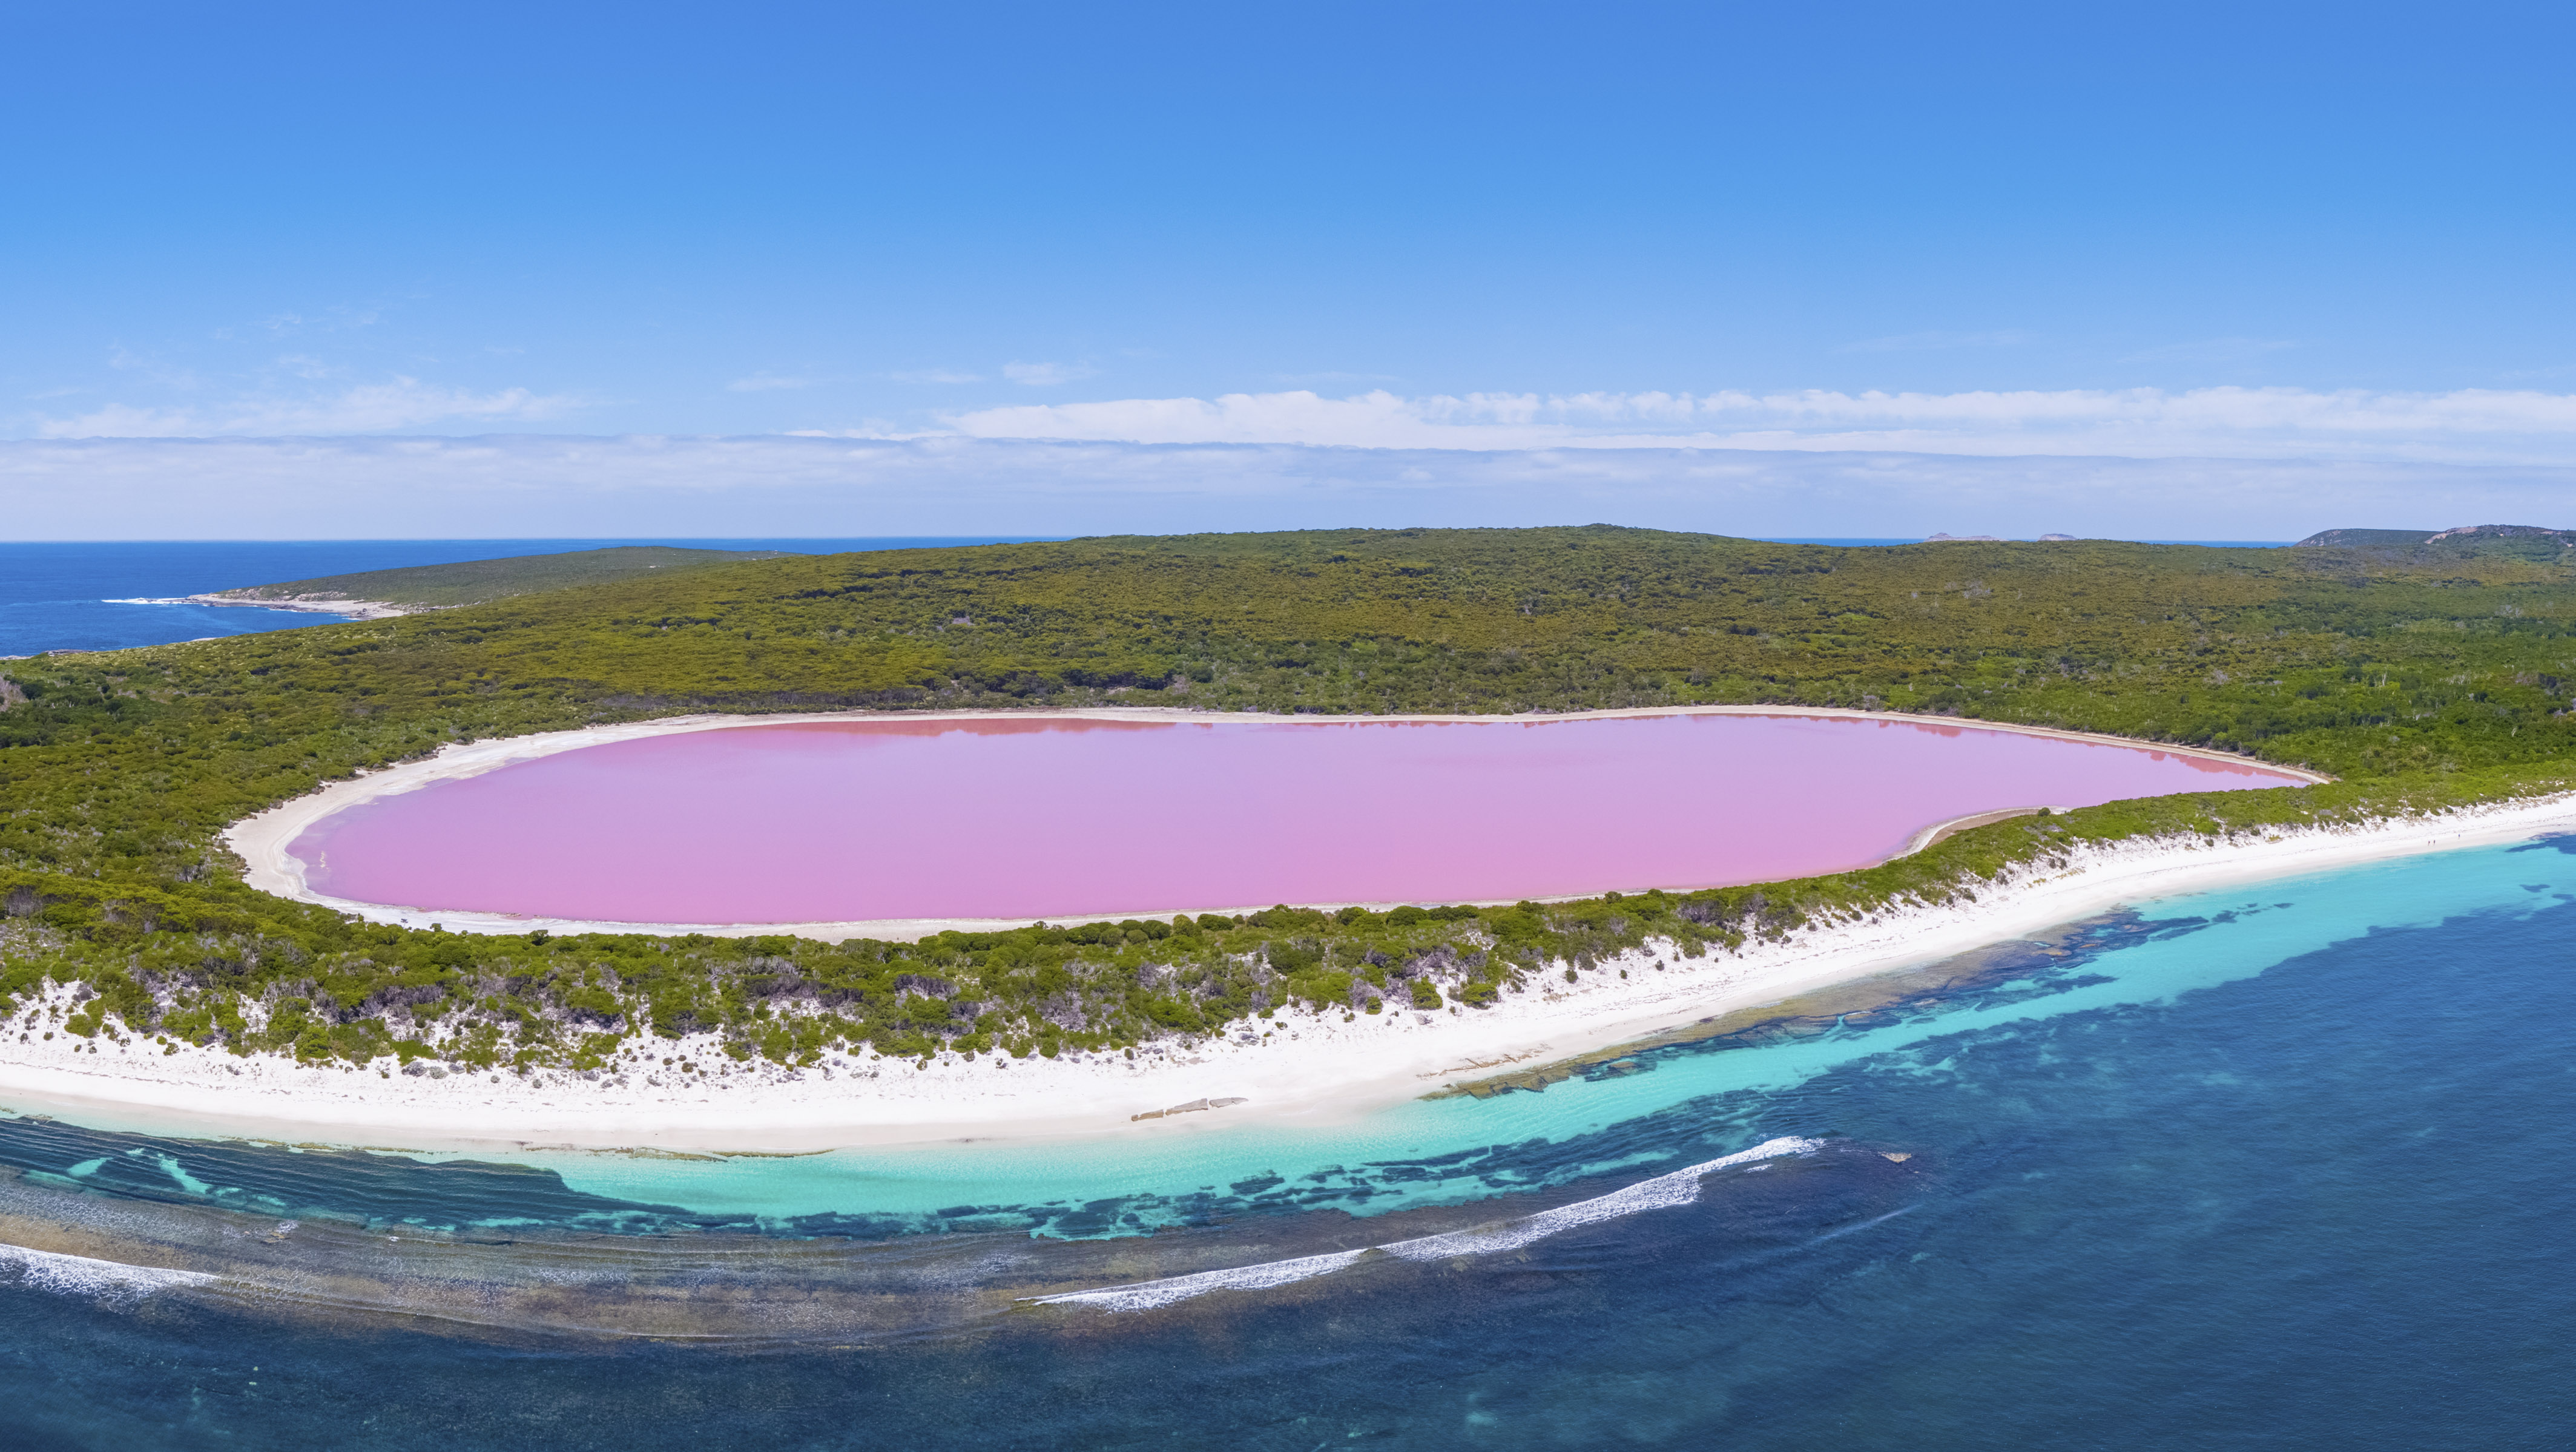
2279, 232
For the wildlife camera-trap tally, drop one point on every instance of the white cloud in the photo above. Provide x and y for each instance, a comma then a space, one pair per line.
1046, 375
763, 382
541, 486
2212, 350
1312, 379
333, 320
126, 360
402, 403
1932, 342
2463, 426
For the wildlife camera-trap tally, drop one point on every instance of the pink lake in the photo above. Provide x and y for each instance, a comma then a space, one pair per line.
1062, 818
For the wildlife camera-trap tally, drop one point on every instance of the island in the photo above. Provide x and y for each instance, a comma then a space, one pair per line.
2422, 688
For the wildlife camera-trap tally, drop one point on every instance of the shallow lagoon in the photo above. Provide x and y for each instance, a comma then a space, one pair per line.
1034, 817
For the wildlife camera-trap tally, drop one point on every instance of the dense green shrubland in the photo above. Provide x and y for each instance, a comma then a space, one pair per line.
2420, 684
472, 582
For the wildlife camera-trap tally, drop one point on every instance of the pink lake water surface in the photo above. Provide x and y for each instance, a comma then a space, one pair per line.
1038, 818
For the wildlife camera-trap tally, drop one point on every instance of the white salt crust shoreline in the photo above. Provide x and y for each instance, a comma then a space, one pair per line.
261, 841
1312, 1071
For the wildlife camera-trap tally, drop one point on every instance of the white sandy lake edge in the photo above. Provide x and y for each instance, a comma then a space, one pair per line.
1315, 1071
262, 840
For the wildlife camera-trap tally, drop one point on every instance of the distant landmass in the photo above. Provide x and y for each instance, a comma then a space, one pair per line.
373, 594
2515, 541
1987, 538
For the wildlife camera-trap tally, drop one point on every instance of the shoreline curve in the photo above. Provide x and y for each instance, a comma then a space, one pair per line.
1316, 1073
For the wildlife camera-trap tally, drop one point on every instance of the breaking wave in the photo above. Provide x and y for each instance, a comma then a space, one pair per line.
102, 1280
1663, 1192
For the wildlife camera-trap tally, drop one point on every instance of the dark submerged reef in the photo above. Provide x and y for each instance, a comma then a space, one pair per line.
2424, 682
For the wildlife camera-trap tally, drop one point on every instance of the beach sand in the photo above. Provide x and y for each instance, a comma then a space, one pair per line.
1307, 1070
314, 604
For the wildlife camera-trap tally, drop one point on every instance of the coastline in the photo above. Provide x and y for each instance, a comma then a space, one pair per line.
1313, 1072
261, 840
317, 605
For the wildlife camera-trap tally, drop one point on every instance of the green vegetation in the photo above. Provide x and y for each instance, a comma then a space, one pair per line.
2426, 547
440, 587
2421, 684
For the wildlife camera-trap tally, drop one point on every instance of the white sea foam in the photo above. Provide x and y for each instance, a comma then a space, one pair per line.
106, 1280
1663, 1192
1146, 1295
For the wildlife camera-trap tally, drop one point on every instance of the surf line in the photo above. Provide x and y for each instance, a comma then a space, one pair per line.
112, 1281
1663, 1192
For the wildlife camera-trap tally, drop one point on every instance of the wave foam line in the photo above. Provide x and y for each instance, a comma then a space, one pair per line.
1663, 1192
106, 1280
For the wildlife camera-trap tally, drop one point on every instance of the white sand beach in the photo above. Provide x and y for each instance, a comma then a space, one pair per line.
1299, 1069
314, 604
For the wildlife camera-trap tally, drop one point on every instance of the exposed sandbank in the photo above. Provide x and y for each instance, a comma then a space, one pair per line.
262, 840
1310, 1071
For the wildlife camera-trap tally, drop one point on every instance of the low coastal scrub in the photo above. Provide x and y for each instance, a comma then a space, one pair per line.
473, 582
2423, 685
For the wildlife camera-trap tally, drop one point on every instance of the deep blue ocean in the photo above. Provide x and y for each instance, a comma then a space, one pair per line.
2285, 1165
80, 596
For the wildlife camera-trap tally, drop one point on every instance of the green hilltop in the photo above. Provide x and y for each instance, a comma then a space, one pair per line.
2487, 541
472, 582
2421, 683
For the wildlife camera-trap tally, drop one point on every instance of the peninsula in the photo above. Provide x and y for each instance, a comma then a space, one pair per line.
376, 594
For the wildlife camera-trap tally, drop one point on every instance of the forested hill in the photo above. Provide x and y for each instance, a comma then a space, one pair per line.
472, 582
2428, 546
2287, 653
2420, 682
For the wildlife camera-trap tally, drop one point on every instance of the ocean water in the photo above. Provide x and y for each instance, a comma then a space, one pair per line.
850, 821
2284, 1165
84, 596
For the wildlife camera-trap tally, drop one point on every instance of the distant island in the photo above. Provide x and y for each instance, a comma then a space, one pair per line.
2423, 683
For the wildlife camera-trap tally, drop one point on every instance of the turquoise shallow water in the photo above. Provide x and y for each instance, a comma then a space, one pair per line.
2285, 1165
1439, 1150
